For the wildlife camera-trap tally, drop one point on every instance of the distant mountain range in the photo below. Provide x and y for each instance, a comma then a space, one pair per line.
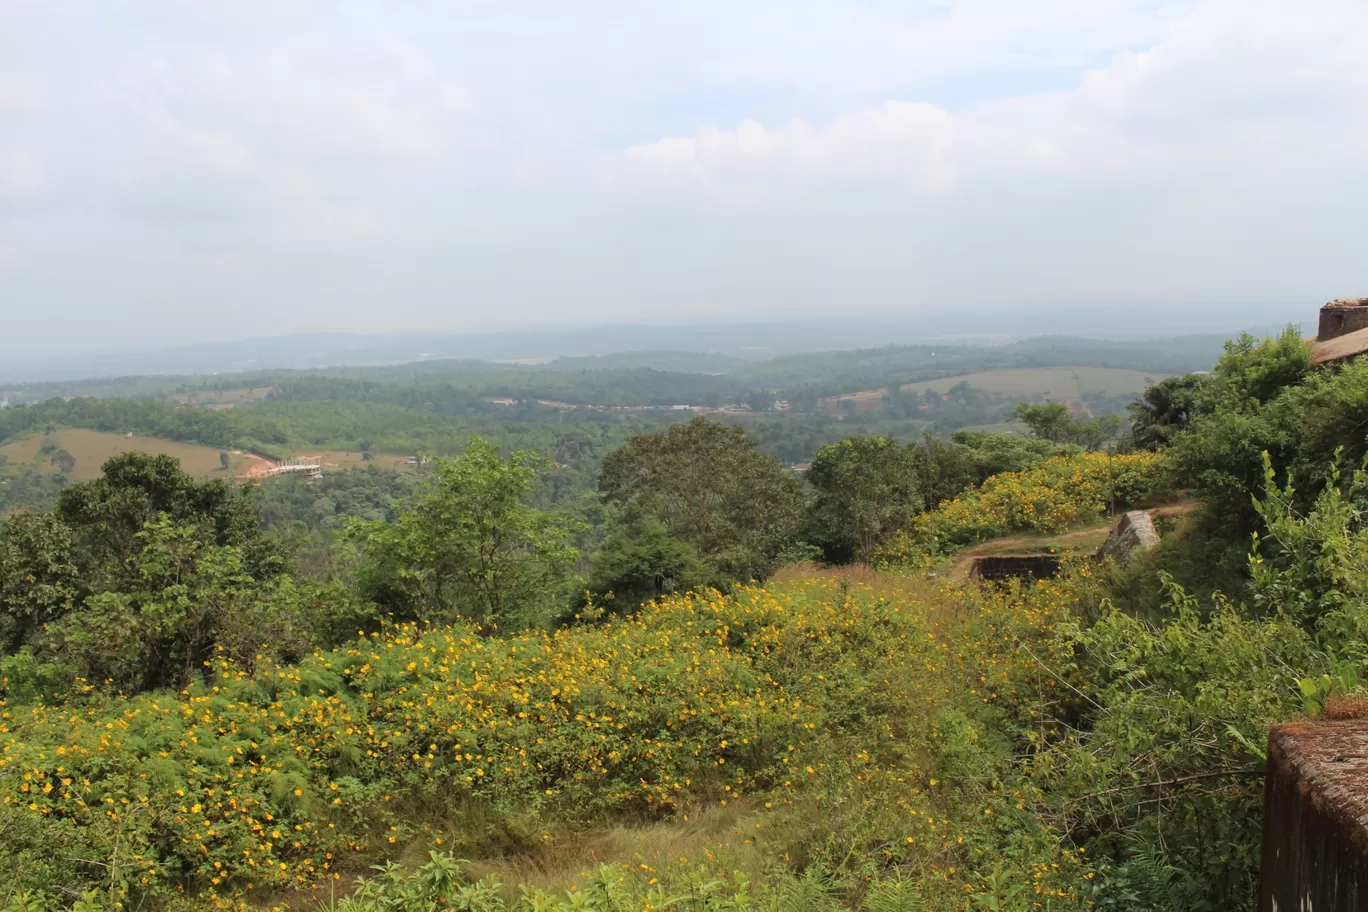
744, 341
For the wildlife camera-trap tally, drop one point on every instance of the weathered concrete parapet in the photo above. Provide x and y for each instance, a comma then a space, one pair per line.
1133, 532
1014, 566
1341, 317
1315, 844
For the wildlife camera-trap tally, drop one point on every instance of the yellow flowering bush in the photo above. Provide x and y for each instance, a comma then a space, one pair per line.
1054, 496
868, 703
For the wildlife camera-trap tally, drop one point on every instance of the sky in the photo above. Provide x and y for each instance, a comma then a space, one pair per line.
205, 171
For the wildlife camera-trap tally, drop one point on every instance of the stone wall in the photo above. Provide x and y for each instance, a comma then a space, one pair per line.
1315, 845
1343, 316
1026, 566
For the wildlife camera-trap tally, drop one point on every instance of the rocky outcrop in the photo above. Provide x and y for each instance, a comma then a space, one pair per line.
1134, 532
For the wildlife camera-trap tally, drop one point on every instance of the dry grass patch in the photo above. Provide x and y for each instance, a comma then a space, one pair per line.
91, 449
1051, 382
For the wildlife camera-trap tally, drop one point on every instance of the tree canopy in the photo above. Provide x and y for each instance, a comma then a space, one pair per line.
867, 488
710, 487
472, 546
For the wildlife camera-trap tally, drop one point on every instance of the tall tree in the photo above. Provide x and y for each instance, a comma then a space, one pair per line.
993, 454
187, 602
106, 515
710, 487
1253, 372
640, 560
1052, 421
1166, 409
944, 469
1047, 420
38, 581
472, 546
867, 489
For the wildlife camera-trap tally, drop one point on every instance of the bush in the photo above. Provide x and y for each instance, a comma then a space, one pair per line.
822, 700
1054, 496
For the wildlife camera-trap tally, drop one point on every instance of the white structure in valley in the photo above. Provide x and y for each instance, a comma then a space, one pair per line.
310, 470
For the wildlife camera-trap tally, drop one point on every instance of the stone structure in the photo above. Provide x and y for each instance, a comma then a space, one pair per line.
312, 471
1018, 566
1315, 843
1339, 318
1343, 331
1133, 532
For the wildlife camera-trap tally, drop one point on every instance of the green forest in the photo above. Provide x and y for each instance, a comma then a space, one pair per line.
657, 378
627, 661
575, 410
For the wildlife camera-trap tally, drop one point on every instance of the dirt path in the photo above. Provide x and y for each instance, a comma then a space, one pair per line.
258, 467
1087, 539
999, 545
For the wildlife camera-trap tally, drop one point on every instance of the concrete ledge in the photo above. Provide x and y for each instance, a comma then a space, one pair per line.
1315, 845
1031, 566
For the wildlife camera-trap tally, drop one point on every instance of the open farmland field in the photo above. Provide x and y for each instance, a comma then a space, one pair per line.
337, 460
1000, 427
90, 449
1051, 382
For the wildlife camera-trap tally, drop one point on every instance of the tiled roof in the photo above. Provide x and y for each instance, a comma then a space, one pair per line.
1340, 347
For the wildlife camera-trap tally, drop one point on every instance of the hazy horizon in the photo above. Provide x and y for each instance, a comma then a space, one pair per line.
208, 172
737, 340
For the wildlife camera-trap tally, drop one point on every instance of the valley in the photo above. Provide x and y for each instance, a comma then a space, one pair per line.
639, 652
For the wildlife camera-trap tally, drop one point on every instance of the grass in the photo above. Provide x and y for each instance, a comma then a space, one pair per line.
836, 722
1051, 382
559, 864
1088, 539
90, 449
867, 796
1081, 541
1002, 427
336, 460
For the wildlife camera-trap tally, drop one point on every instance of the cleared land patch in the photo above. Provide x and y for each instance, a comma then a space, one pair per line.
1001, 427
90, 449
1080, 541
1065, 384
259, 467
1051, 382
335, 460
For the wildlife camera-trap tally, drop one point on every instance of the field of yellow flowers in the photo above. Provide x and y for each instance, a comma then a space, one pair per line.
852, 723
1055, 496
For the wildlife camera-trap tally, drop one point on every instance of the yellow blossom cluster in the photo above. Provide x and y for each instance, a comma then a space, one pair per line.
1058, 494
264, 777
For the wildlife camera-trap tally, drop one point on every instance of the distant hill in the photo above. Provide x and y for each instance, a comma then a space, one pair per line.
746, 341
664, 377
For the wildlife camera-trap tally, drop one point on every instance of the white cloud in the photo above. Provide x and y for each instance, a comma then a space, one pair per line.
20, 93
907, 143
1222, 164
418, 166
1234, 85
21, 173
